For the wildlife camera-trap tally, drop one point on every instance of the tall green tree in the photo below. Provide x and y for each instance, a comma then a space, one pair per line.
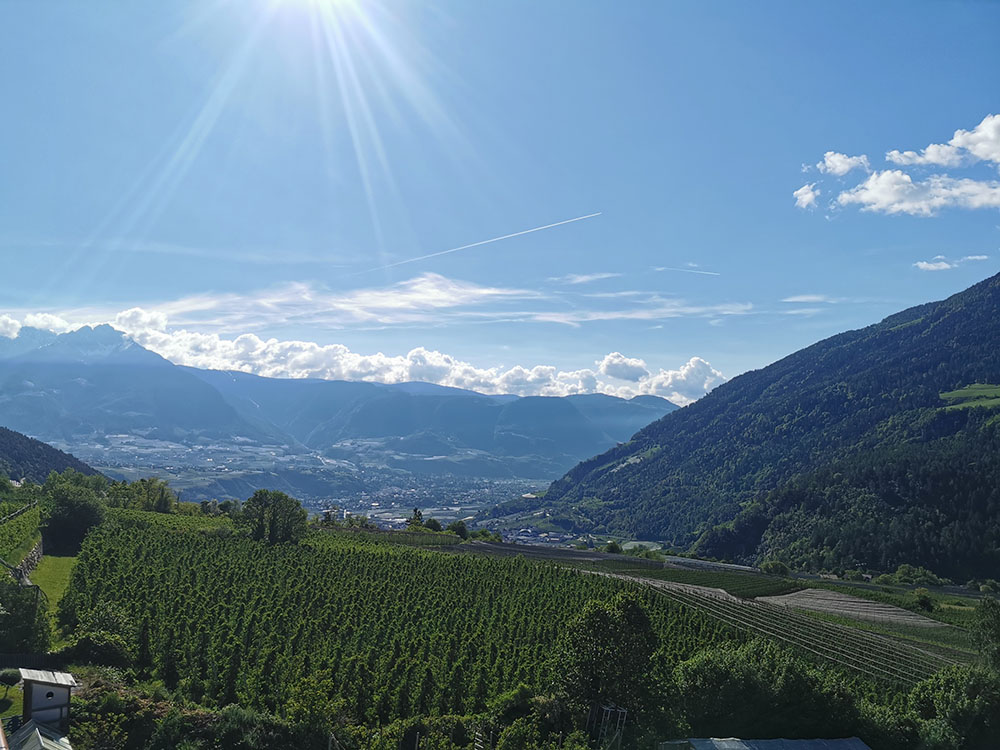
71, 510
274, 517
606, 652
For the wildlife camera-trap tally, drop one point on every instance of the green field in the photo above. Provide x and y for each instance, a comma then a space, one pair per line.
10, 705
52, 576
980, 394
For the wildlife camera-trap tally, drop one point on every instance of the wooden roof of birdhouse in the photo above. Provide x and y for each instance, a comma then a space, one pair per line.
49, 677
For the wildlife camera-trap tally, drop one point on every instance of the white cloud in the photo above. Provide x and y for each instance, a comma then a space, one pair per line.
805, 196
895, 192
47, 322
942, 263
427, 298
811, 299
982, 143
583, 278
658, 309
617, 365
9, 327
693, 380
840, 164
615, 374
138, 319
299, 359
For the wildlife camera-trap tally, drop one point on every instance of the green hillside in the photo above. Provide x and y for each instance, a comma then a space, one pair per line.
849, 452
22, 457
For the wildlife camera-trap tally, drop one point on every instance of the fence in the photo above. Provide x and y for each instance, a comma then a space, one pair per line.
19, 511
29, 661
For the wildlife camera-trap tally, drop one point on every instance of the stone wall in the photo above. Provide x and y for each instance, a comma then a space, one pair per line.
30, 561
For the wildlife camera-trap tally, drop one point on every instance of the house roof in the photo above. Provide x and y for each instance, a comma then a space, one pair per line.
32, 736
851, 743
52, 678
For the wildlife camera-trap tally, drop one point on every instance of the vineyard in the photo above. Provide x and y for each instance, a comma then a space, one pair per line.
401, 632
876, 654
744, 585
18, 531
878, 657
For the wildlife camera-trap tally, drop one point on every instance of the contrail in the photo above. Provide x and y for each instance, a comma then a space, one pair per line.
686, 270
481, 242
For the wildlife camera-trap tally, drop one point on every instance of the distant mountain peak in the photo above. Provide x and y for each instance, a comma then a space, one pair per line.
85, 345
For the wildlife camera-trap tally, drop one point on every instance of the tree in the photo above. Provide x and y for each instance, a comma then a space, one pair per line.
72, 510
274, 517
459, 527
774, 568
986, 631
606, 653
9, 678
417, 519
24, 622
960, 706
433, 524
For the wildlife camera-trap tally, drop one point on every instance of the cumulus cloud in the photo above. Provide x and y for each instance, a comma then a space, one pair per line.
221, 332
615, 373
9, 327
805, 196
47, 322
137, 319
583, 278
617, 365
982, 143
690, 382
840, 164
894, 192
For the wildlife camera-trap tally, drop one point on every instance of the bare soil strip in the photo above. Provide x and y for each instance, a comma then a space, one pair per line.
845, 605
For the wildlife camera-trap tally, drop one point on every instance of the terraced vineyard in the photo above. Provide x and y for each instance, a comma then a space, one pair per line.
744, 585
727, 596
876, 656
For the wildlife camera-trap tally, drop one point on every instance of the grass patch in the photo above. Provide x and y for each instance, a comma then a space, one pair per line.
980, 394
21, 551
11, 704
52, 576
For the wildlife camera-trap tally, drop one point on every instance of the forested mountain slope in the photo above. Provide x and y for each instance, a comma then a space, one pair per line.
843, 453
22, 457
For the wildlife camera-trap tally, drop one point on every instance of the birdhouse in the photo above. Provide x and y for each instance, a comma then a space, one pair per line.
46, 697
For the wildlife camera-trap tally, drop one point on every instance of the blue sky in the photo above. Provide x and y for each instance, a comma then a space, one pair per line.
228, 181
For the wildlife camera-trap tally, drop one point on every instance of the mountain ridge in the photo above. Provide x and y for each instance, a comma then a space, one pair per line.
24, 458
95, 385
871, 389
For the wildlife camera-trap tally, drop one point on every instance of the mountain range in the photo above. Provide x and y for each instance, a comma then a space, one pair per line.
871, 448
105, 396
